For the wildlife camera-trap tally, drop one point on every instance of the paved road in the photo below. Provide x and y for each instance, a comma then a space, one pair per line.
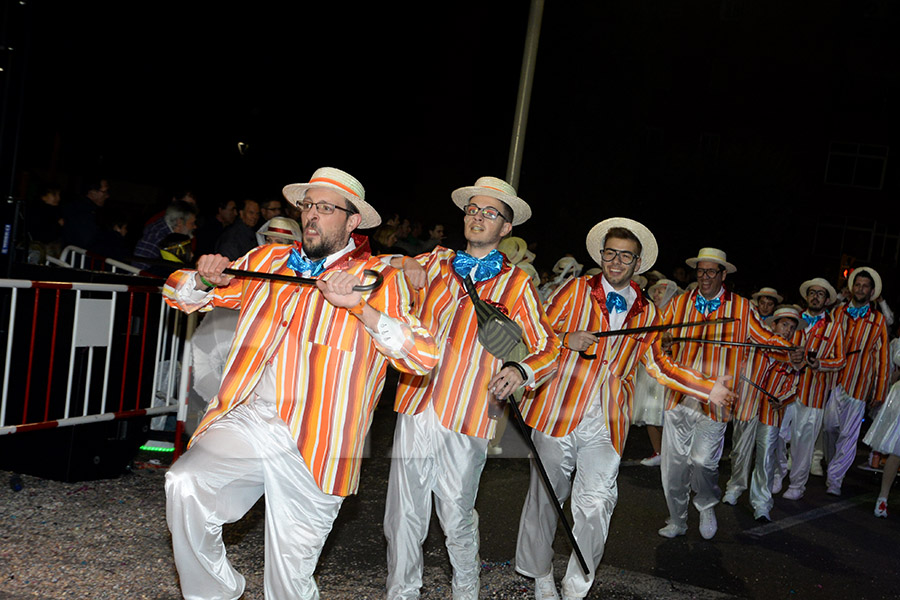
818, 547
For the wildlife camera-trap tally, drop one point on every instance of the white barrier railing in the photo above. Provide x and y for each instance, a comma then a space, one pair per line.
114, 324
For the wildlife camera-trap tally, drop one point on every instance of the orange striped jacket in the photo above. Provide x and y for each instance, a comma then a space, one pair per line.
458, 387
826, 339
329, 371
559, 405
712, 359
780, 380
867, 371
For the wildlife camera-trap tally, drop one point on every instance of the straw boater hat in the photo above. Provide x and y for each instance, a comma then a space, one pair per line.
640, 280
770, 292
787, 311
670, 290
875, 276
711, 255
514, 248
281, 228
344, 184
597, 237
494, 188
822, 283
593, 271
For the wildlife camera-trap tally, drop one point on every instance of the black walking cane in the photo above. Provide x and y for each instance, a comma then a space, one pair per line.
502, 337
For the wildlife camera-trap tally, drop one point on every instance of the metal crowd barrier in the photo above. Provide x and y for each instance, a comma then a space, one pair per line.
77, 353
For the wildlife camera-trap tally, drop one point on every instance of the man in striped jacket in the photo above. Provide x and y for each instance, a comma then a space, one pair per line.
694, 432
443, 429
301, 380
864, 377
582, 415
823, 358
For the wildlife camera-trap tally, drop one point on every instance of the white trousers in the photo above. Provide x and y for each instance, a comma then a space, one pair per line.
589, 452
431, 459
691, 448
766, 440
245, 454
805, 426
743, 440
842, 420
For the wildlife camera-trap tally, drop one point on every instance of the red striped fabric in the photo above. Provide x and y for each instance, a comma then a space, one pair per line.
826, 339
866, 373
781, 381
458, 387
329, 371
711, 359
558, 407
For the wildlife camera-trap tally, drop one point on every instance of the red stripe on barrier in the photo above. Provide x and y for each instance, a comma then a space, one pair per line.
52, 355
37, 426
179, 431
51, 285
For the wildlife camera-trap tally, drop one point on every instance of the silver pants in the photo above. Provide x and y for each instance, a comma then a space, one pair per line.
691, 448
243, 455
842, 420
766, 440
431, 459
589, 452
743, 440
805, 427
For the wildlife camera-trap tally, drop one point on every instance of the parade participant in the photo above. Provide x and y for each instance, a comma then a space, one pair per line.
823, 355
863, 378
279, 230
778, 386
765, 301
884, 436
296, 399
581, 416
694, 432
649, 394
443, 425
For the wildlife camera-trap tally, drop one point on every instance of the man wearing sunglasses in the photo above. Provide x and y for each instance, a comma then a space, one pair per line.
300, 383
822, 361
582, 415
694, 432
444, 424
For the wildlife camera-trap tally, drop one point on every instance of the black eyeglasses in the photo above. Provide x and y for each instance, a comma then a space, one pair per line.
489, 212
709, 273
626, 257
323, 208
819, 293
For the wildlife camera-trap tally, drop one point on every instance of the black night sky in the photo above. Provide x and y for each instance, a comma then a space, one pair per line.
713, 122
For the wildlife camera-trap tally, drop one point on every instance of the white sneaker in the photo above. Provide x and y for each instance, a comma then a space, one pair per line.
545, 588
816, 469
833, 489
495, 450
777, 484
762, 517
730, 498
793, 494
652, 460
708, 524
881, 508
671, 530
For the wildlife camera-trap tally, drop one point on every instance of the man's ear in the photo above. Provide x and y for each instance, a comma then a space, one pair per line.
504, 231
353, 222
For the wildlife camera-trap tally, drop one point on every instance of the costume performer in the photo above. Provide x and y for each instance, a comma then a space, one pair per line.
779, 389
823, 349
864, 377
443, 429
694, 432
582, 415
884, 436
296, 400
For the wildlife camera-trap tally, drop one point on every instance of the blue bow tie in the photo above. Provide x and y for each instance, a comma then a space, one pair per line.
706, 306
488, 267
616, 302
299, 264
812, 320
858, 311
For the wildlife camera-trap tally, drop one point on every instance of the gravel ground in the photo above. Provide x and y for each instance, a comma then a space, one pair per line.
108, 539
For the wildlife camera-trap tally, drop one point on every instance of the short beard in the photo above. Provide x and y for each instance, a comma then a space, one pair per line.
325, 247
